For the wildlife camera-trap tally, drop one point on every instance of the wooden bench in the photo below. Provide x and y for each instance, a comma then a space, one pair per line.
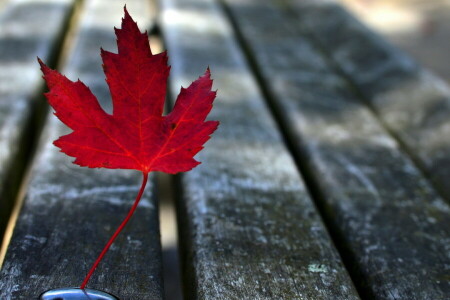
326, 178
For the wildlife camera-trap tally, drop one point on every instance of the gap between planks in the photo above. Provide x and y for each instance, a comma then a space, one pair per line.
286, 133
359, 94
298, 154
56, 58
304, 167
168, 223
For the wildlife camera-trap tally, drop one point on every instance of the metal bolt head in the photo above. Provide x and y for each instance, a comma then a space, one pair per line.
76, 294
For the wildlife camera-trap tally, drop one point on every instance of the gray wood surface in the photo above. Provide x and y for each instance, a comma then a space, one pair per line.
70, 212
248, 227
391, 226
413, 103
27, 29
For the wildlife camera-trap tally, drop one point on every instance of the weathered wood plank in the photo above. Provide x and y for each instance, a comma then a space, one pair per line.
248, 227
70, 212
27, 29
412, 103
392, 227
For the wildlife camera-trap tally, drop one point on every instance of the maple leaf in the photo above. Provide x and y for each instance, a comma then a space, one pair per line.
136, 135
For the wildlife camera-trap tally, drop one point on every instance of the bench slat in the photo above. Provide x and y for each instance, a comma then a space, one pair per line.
27, 29
248, 227
392, 226
412, 103
70, 212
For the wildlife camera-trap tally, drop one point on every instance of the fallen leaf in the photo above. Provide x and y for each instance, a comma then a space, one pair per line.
136, 135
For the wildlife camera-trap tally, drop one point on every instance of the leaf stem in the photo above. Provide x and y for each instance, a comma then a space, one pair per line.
116, 233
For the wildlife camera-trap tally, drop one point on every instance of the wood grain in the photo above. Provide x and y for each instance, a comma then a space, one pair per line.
248, 227
391, 225
27, 29
70, 212
413, 103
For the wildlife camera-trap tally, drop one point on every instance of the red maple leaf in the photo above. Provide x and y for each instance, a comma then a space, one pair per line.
136, 135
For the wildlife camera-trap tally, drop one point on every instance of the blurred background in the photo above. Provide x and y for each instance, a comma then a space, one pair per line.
419, 27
